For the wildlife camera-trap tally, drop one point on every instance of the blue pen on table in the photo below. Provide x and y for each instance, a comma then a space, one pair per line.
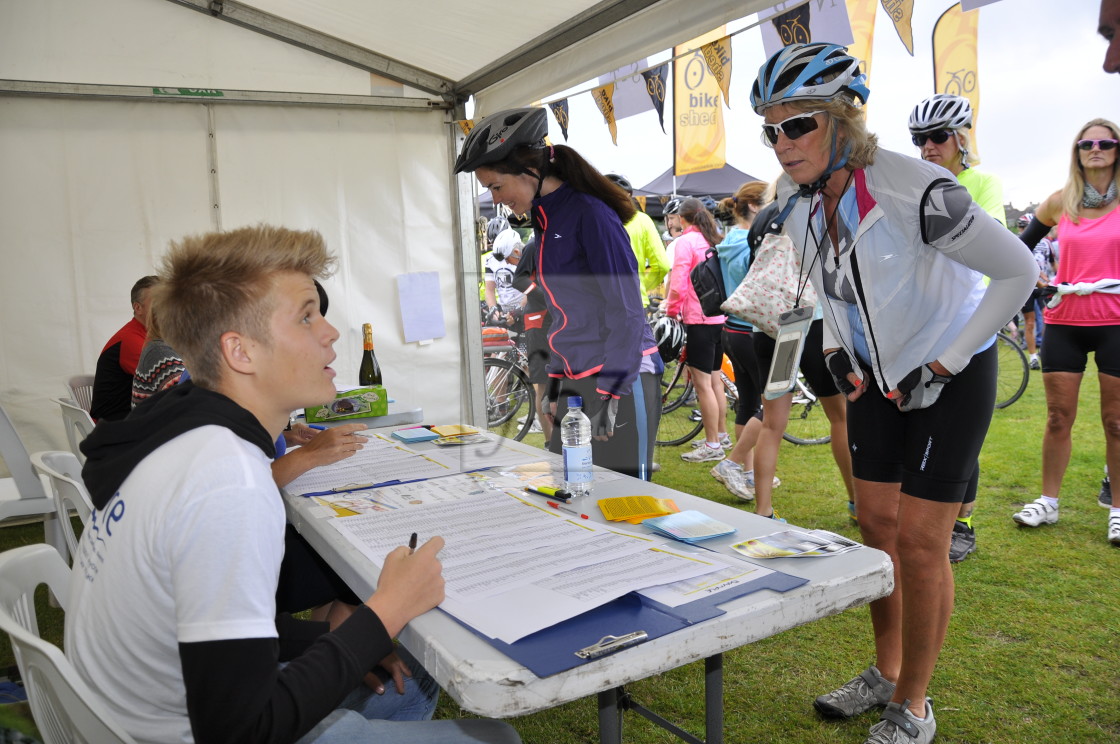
320, 427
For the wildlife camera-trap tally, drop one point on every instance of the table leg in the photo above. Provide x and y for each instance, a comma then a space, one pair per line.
610, 717
713, 699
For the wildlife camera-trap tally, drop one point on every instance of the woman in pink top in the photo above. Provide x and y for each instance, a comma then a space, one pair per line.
702, 333
1088, 221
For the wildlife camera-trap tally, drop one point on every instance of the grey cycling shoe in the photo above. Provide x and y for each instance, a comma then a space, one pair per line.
869, 690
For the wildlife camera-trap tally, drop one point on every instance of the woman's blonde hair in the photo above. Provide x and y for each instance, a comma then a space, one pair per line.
750, 194
1074, 190
851, 125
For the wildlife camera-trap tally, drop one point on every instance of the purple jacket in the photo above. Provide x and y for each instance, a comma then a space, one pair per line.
589, 276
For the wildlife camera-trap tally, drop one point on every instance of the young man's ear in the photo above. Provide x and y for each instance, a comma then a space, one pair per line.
237, 351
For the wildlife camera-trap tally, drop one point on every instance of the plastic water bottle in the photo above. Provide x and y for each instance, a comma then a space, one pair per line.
575, 435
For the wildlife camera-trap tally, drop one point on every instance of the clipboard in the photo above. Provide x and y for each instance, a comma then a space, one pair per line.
622, 623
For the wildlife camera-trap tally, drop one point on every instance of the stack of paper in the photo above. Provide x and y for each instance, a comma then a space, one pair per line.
796, 544
689, 526
636, 509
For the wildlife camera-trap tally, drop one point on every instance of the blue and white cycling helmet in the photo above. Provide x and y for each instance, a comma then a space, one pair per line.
941, 111
809, 72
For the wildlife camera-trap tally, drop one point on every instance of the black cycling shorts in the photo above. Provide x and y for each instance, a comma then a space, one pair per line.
739, 347
1066, 348
812, 360
932, 452
536, 343
705, 354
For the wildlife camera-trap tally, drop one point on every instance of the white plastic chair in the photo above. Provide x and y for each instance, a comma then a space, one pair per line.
78, 425
80, 388
65, 709
22, 495
61, 475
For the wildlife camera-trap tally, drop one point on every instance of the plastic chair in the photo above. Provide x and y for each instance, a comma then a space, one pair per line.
65, 709
22, 495
78, 425
61, 475
80, 388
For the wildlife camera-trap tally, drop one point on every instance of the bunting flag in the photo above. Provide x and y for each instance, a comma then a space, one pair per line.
699, 136
954, 63
466, 125
604, 99
641, 202
717, 56
560, 111
901, 12
655, 87
629, 90
802, 24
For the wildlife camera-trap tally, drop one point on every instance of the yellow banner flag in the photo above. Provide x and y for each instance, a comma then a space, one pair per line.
641, 202
466, 125
954, 63
701, 143
717, 55
604, 99
861, 17
901, 11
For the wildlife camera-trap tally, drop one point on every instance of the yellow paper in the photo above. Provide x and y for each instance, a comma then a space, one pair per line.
634, 509
453, 430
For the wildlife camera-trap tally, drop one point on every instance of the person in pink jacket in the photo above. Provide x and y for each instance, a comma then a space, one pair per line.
702, 339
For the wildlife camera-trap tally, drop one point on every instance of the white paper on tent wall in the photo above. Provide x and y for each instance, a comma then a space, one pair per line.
810, 22
421, 306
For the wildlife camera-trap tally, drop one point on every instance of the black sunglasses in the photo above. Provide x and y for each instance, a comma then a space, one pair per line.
1103, 144
794, 127
940, 137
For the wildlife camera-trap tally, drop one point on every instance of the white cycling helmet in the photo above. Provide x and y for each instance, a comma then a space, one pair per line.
809, 72
506, 243
941, 111
669, 335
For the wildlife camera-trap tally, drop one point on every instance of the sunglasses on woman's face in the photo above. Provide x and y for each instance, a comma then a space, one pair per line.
794, 127
940, 137
1101, 144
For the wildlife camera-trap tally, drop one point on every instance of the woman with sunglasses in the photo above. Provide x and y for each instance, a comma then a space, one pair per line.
939, 128
1085, 314
896, 251
601, 347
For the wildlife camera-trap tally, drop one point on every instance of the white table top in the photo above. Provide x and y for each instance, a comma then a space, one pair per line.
487, 682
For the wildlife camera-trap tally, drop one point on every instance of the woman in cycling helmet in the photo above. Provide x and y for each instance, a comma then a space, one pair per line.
601, 346
1085, 316
896, 252
939, 128
702, 332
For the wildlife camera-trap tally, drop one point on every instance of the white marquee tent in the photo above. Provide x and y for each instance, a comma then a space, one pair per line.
125, 124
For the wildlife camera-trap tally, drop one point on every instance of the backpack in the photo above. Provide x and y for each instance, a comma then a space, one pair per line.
707, 280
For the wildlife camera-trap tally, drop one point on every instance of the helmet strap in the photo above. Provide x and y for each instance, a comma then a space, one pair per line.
962, 150
835, 163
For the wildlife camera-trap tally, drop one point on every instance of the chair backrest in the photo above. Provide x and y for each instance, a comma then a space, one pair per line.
80, 388
61, 474
18, 461
78, 425
65, 709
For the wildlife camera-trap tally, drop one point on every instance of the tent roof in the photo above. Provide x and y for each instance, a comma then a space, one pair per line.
718, 182
454, 51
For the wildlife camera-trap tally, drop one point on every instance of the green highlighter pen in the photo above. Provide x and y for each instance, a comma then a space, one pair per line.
550, 492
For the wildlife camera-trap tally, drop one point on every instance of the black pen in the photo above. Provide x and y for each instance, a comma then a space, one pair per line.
412, 544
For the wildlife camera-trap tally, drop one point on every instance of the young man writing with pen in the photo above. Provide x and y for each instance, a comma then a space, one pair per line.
172, 611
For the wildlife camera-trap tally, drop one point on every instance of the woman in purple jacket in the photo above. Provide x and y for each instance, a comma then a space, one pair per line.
601, 347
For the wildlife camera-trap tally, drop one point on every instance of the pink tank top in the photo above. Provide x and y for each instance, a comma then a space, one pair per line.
1089, 252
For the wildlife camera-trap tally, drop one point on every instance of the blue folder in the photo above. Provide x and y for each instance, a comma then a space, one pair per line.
553, 649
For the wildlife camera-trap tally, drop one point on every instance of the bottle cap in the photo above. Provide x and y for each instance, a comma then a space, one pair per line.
575, 401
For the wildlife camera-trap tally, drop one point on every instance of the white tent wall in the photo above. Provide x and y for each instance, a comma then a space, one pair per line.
92, 191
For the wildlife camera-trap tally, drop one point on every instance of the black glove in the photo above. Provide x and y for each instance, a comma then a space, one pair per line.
602, 421
921, 388
840, 366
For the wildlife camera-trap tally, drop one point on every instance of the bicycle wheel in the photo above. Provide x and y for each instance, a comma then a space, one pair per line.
808, 423
678, 426
676, 387
508, 395
1014, 371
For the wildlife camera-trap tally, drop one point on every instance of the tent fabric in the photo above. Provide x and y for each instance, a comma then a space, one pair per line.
93, 189
717, 183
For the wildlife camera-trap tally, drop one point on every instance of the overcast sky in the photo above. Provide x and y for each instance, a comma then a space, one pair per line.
1040, 80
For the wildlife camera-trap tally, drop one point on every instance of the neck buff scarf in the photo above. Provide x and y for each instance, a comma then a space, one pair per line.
1092, 198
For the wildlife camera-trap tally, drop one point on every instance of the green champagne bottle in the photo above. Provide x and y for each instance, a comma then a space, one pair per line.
369, 373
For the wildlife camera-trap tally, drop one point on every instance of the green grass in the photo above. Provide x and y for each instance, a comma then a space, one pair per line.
1032, 653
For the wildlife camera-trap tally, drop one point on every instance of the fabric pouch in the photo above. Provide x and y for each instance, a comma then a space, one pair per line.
770, 287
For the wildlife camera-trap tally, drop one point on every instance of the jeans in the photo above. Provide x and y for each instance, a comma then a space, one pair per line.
364, 716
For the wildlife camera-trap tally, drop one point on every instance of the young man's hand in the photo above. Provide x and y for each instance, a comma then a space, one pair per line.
411, 583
